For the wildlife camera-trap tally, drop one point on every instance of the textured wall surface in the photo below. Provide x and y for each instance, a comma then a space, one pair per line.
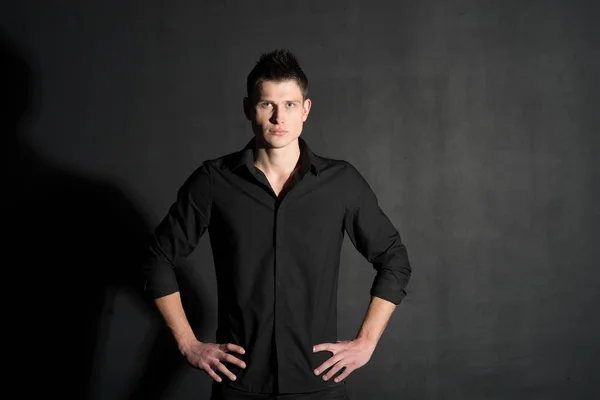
475, 122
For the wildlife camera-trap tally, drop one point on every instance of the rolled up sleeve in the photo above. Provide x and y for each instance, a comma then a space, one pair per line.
377, 239
178, 234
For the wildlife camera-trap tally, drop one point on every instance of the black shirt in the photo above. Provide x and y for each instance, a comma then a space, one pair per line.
277, 259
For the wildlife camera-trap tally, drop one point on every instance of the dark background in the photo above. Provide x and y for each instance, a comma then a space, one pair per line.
476, 123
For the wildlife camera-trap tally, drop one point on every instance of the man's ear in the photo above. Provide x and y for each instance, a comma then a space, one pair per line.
248, 109
306, 109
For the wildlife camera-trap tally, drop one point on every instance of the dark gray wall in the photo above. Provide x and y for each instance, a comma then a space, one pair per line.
476, 123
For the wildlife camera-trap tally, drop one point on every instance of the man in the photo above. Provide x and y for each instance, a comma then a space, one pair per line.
276, 214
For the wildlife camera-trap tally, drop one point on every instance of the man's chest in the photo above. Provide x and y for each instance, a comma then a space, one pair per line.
308, 207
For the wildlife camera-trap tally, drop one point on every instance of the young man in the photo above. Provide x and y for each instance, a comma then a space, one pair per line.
276, 214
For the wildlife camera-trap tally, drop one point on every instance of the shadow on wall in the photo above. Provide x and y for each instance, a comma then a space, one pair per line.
73, 242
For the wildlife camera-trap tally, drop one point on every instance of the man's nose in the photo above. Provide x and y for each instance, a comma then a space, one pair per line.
277, 116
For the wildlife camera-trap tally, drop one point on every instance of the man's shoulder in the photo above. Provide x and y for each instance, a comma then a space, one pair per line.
325, 163
335, 165
222, 161
345, 172
219, 161
204, 169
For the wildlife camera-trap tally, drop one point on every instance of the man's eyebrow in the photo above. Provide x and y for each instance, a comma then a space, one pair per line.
284, 101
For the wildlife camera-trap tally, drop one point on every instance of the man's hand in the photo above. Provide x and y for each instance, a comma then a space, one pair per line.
349, 355
210, 357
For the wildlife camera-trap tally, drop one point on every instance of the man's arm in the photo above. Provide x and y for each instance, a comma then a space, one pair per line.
178, 234
173, 240
375, 321
376, 238
209, 357
172, 311
353, 354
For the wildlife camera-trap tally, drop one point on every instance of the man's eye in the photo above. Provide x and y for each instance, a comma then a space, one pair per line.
265, 104
290, 105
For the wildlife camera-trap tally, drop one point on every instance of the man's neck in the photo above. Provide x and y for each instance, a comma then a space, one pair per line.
277, 162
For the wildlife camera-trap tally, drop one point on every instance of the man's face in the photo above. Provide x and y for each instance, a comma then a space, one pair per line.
277, 113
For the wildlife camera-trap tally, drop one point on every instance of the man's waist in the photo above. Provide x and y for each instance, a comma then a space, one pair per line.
228, 390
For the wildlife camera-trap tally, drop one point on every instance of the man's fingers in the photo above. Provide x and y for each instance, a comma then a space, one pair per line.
212, 374
343, 375
233, 347
327, 364
333, 371
324, 347
233, 360
223, 369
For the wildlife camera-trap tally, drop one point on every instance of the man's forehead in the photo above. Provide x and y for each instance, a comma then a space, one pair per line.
279, 87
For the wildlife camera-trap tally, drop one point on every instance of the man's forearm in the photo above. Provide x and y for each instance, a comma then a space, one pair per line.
375, 321
171, 309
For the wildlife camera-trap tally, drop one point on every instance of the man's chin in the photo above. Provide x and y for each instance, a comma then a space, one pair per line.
276, 142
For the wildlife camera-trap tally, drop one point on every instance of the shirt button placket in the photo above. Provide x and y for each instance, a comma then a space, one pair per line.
278, 244
278, 289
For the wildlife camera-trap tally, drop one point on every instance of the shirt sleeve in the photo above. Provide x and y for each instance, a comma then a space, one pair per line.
376, 238
178, 234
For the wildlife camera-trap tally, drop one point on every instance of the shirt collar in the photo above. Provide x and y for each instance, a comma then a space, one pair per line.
308, 160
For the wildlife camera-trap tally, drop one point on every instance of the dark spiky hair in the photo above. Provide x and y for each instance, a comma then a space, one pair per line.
278, 66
